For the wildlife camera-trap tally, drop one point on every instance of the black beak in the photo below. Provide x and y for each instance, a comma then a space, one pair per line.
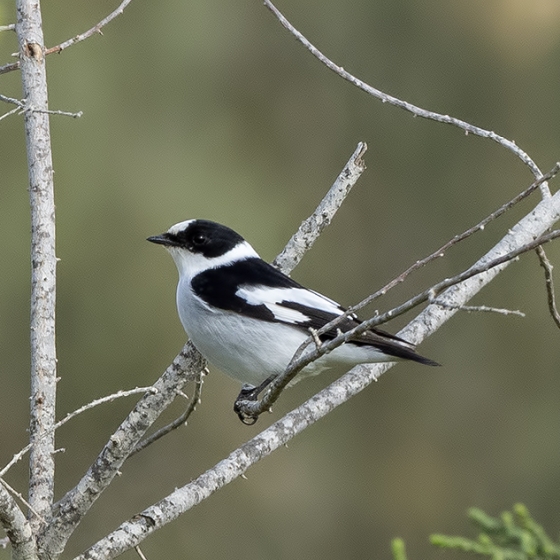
163, 239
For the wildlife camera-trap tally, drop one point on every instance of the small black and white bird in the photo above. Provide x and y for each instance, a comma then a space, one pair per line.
248, 319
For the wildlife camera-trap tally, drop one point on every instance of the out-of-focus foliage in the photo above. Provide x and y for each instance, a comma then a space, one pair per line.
512, 536
210, 109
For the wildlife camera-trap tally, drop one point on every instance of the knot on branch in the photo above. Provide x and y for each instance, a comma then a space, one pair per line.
34, 51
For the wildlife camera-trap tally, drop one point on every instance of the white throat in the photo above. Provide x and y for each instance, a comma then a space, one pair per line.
190, 264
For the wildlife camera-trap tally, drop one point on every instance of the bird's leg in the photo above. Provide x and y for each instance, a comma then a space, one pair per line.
250, 393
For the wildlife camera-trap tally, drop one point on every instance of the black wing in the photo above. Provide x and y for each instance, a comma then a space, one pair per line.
256, 289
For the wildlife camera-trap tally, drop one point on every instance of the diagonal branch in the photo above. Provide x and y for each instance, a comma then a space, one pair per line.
17, 527
253, 409
71, 508
108, 398
438, 253
312, 227
69, 511
416, 111
180, 420
133, 531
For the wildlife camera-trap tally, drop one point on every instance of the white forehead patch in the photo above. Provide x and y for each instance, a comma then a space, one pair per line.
181, 226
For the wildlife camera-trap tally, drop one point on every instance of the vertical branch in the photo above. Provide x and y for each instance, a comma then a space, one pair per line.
43, 258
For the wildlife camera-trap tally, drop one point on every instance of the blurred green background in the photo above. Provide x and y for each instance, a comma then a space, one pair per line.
211, 109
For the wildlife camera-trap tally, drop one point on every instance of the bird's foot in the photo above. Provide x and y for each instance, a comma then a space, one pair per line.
247, 393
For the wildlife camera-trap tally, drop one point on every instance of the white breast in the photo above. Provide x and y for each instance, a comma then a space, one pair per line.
246, 349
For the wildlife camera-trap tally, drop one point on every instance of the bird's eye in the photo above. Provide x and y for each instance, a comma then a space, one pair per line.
199, 239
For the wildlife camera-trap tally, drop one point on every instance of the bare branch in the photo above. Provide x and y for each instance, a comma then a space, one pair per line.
133, 531
311, 228
9, 67
416, 111
17, 527
478, 308
96, 29
43, 279
140, 553
57, 112
442, 250
18, 495
549, 279
252, 409
23, 106
69, 511
109, 398
12, 100
180, 421
12, 112
438, 253
10, 27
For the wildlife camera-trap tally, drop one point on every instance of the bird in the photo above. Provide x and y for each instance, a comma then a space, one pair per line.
248, 319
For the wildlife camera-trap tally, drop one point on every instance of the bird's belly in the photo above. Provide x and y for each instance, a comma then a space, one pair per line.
248, 350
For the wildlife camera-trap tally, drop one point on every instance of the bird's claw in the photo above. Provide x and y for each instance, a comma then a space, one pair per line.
247, 393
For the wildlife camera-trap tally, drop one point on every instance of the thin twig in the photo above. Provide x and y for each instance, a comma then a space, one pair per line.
416, 111
70, 509
17, 527
12, 112
24, 107
18, 495
10, 67
96, 29
140, 553
12, 100
433, 256
549, 281
311, 228
10, 27
179, 421
252, 409
57, 112
455, 240
109, 398
477, 308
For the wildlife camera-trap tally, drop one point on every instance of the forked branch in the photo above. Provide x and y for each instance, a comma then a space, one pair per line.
96, 29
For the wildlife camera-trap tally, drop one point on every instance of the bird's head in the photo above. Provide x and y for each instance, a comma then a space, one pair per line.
197, 245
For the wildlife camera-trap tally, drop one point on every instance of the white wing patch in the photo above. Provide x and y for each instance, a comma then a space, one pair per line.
272, 298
